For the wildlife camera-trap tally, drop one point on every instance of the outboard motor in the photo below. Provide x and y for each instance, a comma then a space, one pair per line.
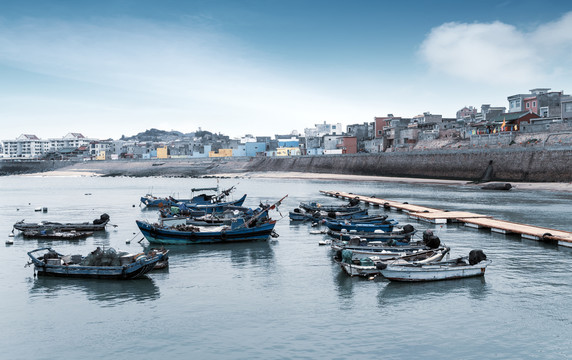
476, 256
430, 240
408, 228
297, 210
354, 202
102, 219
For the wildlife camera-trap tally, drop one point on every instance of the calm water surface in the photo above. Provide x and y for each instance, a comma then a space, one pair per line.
285, 298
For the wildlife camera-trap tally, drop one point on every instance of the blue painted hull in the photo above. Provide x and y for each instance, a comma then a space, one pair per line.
129, 271
168, 236
306, 216
368, 227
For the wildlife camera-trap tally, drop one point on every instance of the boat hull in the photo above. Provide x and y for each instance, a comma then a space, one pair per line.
165, 236
434, 272
124, 272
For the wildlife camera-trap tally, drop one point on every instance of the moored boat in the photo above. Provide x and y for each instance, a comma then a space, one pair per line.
201, 199
257, 227
370, 266
473, 265
60, 235
101, 264
299, 214
348, 225
95, 225
316, 206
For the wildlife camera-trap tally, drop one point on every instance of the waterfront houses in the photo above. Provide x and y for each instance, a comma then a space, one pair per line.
540, 114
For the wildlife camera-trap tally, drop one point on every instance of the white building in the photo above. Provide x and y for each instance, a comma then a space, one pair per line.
324, 129
71, 140
25, 146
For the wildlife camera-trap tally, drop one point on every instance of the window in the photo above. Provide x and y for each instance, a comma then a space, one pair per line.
568, 107
544, 111
528, 105
534, 104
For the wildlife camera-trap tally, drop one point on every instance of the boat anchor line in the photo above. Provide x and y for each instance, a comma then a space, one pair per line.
438, 216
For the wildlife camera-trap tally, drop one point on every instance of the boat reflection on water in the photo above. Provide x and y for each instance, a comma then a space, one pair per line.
475, 287
107, 293
257, 253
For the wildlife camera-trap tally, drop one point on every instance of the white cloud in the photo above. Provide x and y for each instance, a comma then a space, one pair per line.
497, 53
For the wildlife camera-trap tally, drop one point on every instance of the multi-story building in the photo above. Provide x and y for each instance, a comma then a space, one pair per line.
566, 106
69, 141
25, 146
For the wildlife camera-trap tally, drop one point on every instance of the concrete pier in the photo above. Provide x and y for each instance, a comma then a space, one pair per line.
479, 221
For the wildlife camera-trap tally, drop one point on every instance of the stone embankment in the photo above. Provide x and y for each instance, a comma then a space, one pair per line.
550, 164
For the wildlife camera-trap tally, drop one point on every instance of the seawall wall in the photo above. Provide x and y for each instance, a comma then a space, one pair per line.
532, 165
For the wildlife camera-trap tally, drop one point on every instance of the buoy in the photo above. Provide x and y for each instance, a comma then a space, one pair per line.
11, 234
9, 242
128, 241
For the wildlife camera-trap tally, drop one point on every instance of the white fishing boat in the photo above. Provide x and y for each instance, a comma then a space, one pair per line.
473, 265
371, 266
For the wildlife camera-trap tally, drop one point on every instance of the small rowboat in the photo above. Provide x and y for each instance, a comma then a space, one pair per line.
473, 265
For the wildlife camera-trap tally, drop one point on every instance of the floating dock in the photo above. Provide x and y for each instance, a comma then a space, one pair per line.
479, 221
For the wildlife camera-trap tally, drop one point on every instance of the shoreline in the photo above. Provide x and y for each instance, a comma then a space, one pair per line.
551, 186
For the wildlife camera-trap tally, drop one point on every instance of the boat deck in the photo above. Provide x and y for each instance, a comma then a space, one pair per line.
438, 216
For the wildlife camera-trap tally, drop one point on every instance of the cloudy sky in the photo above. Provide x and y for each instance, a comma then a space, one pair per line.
111, 68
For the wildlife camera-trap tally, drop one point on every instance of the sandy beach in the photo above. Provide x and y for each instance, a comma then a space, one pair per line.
551, 186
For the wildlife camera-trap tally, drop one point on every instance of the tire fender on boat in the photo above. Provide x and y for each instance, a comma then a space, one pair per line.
223, 234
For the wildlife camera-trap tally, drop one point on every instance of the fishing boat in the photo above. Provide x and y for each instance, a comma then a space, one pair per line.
190, 209
56, 235
403, 235
316, 206
257, 227
101, 263
201, 199
95, 225
299, 214
468, 266
349, 225
371, 266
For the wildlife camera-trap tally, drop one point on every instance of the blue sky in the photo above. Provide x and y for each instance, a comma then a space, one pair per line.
112, 68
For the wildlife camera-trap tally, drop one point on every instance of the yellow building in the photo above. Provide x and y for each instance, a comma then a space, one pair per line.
288, 151
221, 153
162, 153
100, 155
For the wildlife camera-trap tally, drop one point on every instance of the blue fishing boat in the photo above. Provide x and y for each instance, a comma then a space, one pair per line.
201, 199
237, 232
193, 210
315, 206
303, 215
349, 225
258, 227
101, 264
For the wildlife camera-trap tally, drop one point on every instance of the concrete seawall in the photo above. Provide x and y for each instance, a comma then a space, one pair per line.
518, 165
530, 165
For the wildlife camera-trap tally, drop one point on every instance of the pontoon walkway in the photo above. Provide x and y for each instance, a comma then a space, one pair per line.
438, 216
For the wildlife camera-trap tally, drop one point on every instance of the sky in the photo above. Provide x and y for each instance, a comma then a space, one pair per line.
111, 68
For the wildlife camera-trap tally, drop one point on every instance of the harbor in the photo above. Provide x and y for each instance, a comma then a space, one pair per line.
478, 221
194, 306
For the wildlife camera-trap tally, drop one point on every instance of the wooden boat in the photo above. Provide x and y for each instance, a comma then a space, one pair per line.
257, 227
377, 235
61, 235
349, 225
95, 225
371, 266
497, 186
157, 234
315, 206
101, 264
473, 265
303, 215
201, 199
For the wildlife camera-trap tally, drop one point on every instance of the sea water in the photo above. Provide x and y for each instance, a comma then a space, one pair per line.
284, 298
